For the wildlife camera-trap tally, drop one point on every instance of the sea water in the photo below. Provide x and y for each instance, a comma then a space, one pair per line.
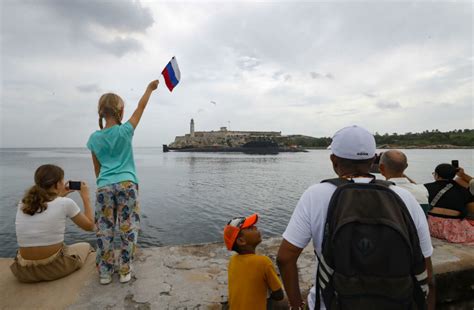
189, 197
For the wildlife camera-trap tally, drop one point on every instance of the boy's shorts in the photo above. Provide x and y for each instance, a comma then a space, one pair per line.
64, 262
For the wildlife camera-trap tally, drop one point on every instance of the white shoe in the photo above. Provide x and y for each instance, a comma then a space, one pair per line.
105, 280
124, 278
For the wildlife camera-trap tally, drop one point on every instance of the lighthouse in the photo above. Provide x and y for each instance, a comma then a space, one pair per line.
191, 129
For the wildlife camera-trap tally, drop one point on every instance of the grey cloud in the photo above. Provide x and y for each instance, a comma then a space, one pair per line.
370, 95
89, 88
290, 96
331, 29
120, 46
316, 75
345, 112
287, 77
124, 16
276, 75
63, 28
388, 105
459, 73
248, 63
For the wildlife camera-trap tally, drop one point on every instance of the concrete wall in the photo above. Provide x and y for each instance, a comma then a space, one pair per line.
195, 277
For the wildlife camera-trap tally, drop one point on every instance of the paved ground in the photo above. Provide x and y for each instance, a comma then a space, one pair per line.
183, 277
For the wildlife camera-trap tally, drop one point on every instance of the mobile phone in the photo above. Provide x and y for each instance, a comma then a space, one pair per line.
75, 185
455, 163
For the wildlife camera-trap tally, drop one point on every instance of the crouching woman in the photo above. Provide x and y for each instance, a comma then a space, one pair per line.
40, 225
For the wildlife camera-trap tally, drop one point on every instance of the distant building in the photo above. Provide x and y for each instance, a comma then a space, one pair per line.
223, 137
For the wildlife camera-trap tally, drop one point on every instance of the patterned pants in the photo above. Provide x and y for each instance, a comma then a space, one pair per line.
116, 204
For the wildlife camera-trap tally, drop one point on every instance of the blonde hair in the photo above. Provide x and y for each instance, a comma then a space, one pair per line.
110, 105
37, 197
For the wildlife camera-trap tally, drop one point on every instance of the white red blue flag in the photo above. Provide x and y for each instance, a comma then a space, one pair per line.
171, 74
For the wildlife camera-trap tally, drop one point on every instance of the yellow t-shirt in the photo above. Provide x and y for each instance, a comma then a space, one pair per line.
250, 278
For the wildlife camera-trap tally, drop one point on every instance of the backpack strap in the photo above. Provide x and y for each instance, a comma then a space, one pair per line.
440, 194
317, 304
384, 183
322, 272
337, 181
341, 181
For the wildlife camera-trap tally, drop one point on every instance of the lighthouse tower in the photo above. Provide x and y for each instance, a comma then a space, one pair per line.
192, 127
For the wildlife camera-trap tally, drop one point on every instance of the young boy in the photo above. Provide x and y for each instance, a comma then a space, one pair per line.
249, 275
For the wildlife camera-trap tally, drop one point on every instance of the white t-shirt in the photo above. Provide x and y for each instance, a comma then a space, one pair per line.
418, 190
309, 217
47, 227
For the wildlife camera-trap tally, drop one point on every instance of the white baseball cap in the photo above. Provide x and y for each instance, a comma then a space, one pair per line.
353, 142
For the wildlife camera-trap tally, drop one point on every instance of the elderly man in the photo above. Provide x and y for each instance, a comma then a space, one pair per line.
392, 166
353, 150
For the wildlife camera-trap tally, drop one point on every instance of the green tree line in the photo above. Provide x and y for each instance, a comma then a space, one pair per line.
457, 137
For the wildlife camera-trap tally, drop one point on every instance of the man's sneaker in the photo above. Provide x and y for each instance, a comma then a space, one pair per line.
124, 278
104, 280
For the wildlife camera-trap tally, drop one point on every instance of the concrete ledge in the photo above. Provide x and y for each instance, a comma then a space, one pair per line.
195, 277
453, 266
57, 294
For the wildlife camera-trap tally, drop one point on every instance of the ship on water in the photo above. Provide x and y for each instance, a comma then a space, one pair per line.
223, 140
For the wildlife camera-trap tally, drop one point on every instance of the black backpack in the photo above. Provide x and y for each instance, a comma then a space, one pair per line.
371, 256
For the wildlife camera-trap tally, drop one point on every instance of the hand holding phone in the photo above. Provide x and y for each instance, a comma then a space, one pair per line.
75, 185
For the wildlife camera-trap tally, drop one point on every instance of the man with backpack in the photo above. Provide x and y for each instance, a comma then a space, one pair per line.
370, 237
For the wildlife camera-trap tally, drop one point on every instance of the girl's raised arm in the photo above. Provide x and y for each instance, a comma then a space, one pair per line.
137, 115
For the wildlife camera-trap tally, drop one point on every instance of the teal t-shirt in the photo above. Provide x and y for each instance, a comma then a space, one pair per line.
113, 148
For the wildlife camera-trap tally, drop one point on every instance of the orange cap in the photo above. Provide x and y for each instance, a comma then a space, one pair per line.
232, 229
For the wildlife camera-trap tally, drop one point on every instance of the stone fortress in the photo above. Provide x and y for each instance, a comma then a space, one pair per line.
223, 138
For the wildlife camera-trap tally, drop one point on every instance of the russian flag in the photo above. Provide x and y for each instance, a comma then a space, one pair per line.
171, 74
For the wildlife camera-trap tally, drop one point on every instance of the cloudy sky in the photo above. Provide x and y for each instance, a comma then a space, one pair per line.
299, 67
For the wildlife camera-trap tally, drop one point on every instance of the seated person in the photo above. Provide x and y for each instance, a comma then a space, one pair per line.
40, 224
392, 166
449, 202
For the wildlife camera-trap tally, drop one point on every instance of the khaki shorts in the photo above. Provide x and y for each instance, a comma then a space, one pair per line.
64, 262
